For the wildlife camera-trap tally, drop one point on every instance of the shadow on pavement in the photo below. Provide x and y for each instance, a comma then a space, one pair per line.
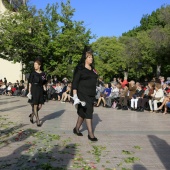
39, 159
52, 116
138, 167
16, 136
96, 120
162, 149
7, 98
7, 131
6, 102
12, 108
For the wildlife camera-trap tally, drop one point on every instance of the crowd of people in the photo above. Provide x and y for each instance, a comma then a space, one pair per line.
151, 95
19, 88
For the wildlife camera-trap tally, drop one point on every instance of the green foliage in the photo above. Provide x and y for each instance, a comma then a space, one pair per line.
108, 56
152, 42
50, 34
131, 159
53, 35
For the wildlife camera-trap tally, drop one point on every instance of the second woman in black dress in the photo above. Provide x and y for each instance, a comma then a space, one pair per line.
37, 81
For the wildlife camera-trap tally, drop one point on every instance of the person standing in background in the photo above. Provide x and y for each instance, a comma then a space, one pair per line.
5, 81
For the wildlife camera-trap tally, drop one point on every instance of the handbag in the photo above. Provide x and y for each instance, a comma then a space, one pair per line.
29, 96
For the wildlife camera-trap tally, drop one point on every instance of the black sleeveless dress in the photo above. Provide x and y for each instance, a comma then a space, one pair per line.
37, 80
84, 82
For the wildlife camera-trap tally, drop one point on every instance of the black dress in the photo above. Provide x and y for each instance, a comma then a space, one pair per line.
84, 82
37, 80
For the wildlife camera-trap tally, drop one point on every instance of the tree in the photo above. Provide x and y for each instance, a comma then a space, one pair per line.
50, 34
68, 45
22, 36
108, 56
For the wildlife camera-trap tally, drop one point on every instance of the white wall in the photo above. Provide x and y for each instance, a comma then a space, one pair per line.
10, 70
2, 8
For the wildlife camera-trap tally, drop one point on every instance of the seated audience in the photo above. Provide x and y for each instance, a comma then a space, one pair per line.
164, 104
146, 96
113, 95
138, 94
2, 88
157, 97
66, 94
131, 91
105, 94
122, 104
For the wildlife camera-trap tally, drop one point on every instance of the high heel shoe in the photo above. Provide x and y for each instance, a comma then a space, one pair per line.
39, 125
31, 120
30, 115
92, 139
77, 133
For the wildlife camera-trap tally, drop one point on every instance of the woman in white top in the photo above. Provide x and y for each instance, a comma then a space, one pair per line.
157, 96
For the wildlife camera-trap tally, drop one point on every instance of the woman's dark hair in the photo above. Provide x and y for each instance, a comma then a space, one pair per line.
39, 60
81, 63
109, 85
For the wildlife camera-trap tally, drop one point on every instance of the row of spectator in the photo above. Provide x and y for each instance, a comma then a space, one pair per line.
117, 94
136, 96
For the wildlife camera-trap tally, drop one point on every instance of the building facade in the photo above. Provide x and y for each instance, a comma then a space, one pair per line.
12, 71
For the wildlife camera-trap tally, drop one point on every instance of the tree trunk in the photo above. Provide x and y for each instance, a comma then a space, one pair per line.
158, 70
125, 75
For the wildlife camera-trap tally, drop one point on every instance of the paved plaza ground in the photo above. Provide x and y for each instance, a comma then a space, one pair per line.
128, 140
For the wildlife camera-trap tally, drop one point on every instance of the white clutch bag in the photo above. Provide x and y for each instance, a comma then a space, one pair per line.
29, 96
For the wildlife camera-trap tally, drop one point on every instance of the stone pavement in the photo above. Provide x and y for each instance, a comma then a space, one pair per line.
127, 139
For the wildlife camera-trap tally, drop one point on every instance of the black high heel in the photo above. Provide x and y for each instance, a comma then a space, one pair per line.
39, 125
92, 139
77, 133
31, 120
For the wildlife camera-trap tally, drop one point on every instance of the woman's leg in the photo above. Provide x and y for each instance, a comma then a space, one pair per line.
32, 114
132, 103
90, 128
99, 100
136, 103
163, 103
165, 110
39, 107
79, 123
68, 96
150, 105
139, 102
155, 104
65, 97
36, 114
104, 102
62, 98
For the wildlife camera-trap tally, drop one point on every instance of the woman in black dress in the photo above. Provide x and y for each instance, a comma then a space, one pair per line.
37, 81
84, 89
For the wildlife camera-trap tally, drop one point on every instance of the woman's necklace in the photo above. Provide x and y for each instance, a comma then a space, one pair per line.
38, 71
88, 67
